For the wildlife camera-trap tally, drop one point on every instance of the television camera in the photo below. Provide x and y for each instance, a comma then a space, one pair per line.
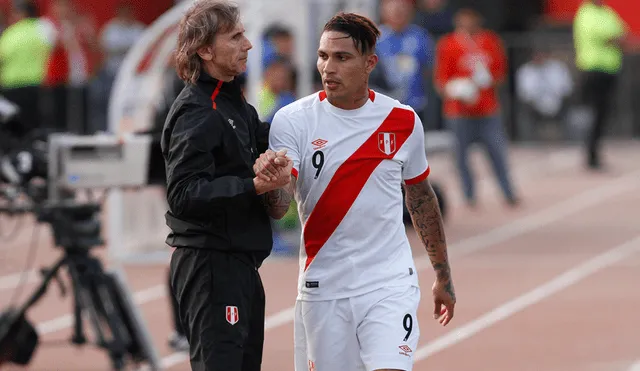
42, 174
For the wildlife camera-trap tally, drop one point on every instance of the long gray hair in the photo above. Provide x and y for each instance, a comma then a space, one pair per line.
198, 28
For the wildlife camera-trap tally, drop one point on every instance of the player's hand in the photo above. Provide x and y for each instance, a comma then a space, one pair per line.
444, 300
267, 165
283, 179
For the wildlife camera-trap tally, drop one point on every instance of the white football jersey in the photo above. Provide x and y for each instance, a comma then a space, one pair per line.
349, 166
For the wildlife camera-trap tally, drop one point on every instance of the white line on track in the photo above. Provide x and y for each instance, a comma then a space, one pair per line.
11, 281
552, 287
543, 217
63, 322
635, 366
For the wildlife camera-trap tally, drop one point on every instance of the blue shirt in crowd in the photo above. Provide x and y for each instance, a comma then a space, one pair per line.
404, 56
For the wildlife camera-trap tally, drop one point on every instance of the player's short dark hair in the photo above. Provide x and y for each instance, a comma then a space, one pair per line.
361, 29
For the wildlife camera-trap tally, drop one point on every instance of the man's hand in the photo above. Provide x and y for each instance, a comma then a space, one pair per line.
444, 300
281, 179
267, 167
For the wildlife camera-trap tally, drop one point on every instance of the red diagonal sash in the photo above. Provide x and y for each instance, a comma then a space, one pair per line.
350, 178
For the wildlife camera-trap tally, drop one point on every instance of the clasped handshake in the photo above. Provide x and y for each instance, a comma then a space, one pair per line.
273, 171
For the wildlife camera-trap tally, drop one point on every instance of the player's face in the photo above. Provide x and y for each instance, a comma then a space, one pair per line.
229, 52
344, 70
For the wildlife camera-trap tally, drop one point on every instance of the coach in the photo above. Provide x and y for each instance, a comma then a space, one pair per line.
218, 208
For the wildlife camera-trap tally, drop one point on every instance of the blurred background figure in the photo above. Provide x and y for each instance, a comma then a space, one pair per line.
278, 45
277, 90
277, 42
70, 65
470, 65
24, 53
544, 85
117, 37
435, 16
405, 53
599, 33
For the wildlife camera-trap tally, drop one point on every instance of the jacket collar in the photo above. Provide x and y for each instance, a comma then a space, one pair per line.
215, 87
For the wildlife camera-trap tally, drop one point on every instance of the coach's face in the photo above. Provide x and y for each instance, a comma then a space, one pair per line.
343, 68
229, 52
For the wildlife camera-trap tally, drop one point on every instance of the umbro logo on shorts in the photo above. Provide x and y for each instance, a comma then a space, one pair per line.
405, 350
312, 284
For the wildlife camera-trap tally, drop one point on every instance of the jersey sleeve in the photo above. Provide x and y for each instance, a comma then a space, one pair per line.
416, 167
282, 135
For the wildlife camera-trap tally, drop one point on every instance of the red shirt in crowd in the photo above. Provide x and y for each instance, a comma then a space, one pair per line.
456, 55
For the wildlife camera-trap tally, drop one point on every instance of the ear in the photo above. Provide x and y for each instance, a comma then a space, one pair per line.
206, 53
372, 61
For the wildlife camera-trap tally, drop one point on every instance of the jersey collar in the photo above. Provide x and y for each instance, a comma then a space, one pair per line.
322, 95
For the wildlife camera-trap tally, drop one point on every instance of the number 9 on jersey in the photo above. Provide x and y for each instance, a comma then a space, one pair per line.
317, 160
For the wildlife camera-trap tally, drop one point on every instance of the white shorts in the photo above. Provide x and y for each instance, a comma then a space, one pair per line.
374, 331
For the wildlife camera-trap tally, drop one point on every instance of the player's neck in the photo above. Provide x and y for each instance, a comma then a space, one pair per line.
352, 103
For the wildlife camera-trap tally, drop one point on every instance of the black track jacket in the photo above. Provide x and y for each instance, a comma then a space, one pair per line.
210, 141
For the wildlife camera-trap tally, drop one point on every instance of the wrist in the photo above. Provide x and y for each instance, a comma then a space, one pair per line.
258, 186
442, 271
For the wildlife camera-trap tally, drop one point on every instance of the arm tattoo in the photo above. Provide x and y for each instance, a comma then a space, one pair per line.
424, 209
277, 201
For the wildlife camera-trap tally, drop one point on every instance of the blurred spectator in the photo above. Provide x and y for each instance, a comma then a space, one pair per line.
544, 84
69, 66
24, 51
405, 54
598, 33
117, 37
277, 42
277, 90
470, 64
4, 21
435, 17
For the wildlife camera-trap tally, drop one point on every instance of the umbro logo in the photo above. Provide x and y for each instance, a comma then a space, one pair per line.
231, 123
319, 143
405, 348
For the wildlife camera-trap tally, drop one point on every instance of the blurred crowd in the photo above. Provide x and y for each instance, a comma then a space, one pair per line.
58, 67
411, 31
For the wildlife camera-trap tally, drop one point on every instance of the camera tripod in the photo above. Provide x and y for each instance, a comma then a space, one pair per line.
101, 296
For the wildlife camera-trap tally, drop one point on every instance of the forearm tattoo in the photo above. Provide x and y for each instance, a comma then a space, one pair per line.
423, 207
277, 201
